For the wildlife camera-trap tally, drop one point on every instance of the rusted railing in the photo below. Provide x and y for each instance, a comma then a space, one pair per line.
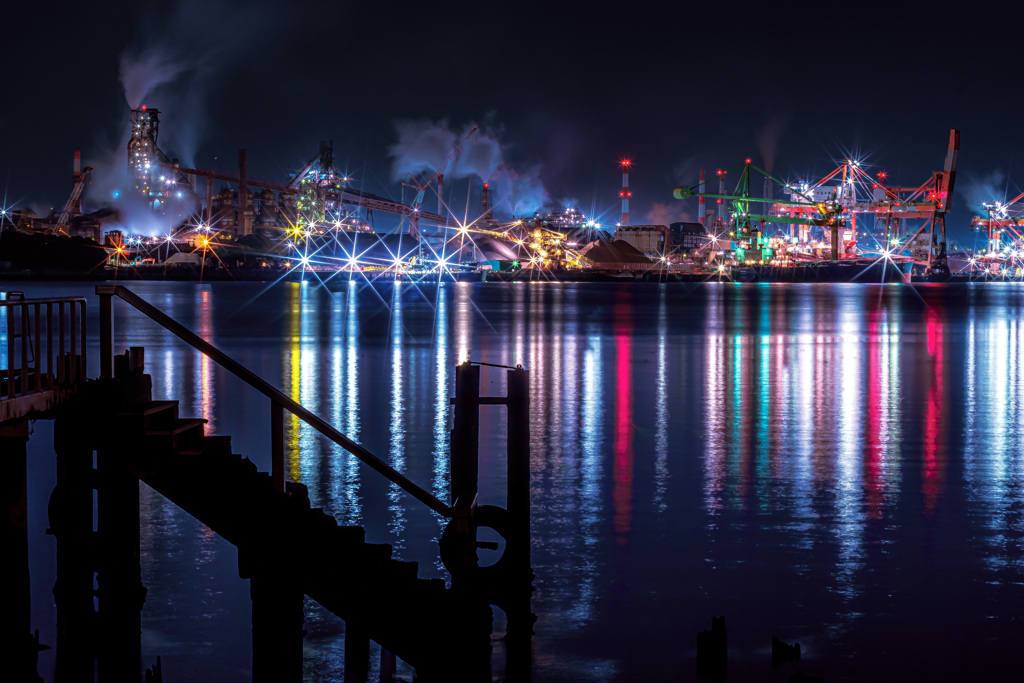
28, 325
279, 402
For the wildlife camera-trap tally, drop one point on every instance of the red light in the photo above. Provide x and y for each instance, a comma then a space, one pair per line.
620, 194
626, 163
143, 107
486, 186
629, 194
719, 172
719, 201
874, 186
748, 160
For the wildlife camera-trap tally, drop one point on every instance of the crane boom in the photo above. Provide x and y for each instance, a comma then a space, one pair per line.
76, 192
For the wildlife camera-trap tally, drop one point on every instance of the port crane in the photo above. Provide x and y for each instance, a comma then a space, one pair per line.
1001, 218
76, 193
747, 226
896, 205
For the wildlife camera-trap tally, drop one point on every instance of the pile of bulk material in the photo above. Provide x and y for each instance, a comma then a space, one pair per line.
614, 255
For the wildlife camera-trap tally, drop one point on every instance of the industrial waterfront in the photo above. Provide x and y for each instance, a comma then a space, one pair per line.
835, 465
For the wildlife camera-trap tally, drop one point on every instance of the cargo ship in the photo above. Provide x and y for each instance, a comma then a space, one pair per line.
864, 271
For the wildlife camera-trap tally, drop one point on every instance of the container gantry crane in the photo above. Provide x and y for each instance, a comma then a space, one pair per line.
747, 227
1001, 219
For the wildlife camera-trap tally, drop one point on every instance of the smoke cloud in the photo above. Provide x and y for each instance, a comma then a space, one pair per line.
424, 146
666, 214
767, 139
984, 188
171, 65
143, 73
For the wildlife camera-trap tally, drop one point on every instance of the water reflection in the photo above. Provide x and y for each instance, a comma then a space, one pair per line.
828, 447
204, 396
661, 418
345, 503
396, 450
622, 490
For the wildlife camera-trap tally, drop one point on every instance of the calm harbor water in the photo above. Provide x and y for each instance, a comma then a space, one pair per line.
838, 465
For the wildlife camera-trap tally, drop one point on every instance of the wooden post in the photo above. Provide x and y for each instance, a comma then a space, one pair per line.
518, 483
277, 446
388, 665
71, 522
357, 653
85, 367
16, 641
519, 580
465, 442
121, 593
106, 333
277, 613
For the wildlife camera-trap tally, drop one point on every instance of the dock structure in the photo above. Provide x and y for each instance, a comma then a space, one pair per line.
286, 548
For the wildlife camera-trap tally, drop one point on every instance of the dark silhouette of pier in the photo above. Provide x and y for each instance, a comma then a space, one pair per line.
286, 548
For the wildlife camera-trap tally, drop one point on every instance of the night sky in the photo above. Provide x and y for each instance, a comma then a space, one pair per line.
564, 91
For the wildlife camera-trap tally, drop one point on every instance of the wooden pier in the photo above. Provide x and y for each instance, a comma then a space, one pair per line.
286, 548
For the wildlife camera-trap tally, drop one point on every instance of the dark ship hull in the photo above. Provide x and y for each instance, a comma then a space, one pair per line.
862, 271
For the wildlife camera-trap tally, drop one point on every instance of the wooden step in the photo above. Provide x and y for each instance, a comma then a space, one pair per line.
149, 415
179, 435
209, 446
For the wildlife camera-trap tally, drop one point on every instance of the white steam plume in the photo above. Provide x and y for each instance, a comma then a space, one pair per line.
984, 189
424, 146
767, 139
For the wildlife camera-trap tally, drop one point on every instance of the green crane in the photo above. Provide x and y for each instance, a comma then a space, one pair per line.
746, 226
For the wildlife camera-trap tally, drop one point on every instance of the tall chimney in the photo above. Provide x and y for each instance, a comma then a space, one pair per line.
700, 201
243, 196
625, 193
440, 194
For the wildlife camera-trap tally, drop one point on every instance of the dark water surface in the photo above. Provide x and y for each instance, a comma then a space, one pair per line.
839, 465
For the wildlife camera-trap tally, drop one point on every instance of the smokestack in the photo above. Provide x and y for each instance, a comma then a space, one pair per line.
440, 194
243, 195
487, 211
721, 191
625, 193
700, 201
76, 176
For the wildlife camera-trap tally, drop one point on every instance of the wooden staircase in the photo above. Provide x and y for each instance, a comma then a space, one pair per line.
438, 631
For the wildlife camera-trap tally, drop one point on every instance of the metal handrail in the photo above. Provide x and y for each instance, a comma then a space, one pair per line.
278, 400
31, 331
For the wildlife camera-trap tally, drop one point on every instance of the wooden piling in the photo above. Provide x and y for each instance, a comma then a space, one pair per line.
119, 574
357, 653
518, 582
465, 441
71, 522
277, 614
16, 641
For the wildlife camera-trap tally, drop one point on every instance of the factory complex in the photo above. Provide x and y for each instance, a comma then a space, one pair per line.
750, 226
